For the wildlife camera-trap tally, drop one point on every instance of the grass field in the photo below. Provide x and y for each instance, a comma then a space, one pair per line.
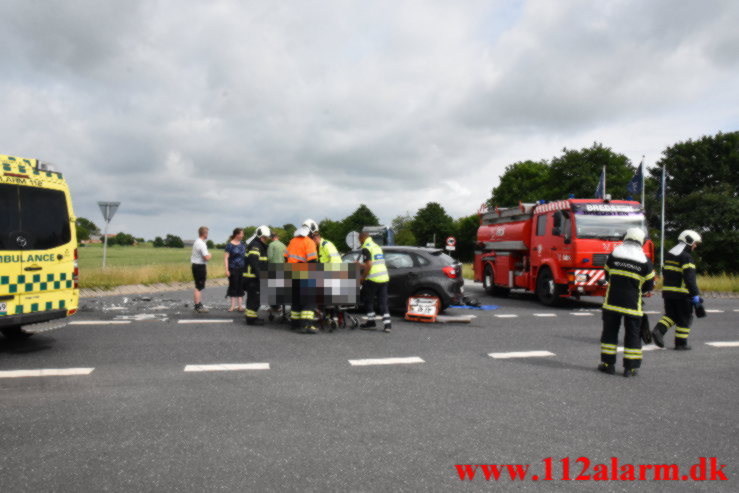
726, 283
141, 264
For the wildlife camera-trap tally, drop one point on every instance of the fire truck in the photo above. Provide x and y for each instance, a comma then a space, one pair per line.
556, 249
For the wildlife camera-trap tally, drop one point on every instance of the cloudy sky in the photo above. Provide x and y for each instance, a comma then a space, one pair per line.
230, 112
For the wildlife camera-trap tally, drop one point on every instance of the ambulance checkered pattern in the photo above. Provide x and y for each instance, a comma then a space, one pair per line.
34, 283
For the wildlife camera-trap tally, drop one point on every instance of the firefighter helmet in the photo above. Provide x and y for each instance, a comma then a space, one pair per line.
635, 234
689, 237
311, 225
263, 231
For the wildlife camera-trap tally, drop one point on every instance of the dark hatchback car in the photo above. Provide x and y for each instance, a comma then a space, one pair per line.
417, 270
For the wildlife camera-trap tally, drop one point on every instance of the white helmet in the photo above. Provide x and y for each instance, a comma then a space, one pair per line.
689, 237
263, 231
311, 225
635, 234
301, 231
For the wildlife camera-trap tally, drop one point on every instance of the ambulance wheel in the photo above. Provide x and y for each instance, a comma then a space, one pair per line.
15, 333
546, 289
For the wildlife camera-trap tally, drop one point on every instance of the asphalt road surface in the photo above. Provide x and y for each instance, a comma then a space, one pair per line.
140, 405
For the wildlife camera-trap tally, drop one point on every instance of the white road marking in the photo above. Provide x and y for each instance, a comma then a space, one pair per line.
100, 322
47, 372
507, 315
206, 321
715, 311
736, 309
650, 347
521, 354
581, 314
228, 367
724, 344
545, 314
386, 361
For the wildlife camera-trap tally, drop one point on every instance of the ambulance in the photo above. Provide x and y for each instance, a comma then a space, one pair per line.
38, 249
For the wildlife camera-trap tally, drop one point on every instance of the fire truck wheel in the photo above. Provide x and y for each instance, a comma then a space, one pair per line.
15, 333
546, 289
489, 284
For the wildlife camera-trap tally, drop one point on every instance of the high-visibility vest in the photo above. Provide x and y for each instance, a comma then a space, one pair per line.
301, 250
328, 254
378, 270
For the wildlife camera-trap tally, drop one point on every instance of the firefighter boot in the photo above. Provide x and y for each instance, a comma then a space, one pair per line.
607, 369
657, 335
630, 372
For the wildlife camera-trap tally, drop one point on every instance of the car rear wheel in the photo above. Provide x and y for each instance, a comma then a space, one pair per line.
547, 290
15, 333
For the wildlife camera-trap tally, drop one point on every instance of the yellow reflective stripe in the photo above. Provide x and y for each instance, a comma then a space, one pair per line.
251, 313
616, 272
627, 311
688, 266
650, 276
667, 321
676, 269
677, 290
296, 257
603, 344
262, 258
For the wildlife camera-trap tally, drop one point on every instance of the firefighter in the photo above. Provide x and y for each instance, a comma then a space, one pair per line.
374, 280
256, 261
679, 291
302, 250
327, 252
630, 274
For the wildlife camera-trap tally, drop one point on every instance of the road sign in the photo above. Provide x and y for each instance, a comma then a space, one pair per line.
352, 240
451, 241
108, 209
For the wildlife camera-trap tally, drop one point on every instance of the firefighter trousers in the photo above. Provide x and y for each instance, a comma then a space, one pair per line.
252, 298
678, 312
632, 339
303, 308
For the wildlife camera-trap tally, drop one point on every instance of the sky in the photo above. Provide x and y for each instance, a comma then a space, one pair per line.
229, 113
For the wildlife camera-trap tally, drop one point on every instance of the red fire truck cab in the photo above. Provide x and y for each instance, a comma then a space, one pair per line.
555, 249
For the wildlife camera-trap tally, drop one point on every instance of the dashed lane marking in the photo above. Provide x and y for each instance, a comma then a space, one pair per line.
507, 315
228, 367
46, 372
715, 311
724, 344
205, 321
581, 314
386, 361
545, 314
100, 322
521, 354
651, 347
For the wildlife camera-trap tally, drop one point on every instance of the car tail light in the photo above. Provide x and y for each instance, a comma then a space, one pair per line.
76, 274
450, 271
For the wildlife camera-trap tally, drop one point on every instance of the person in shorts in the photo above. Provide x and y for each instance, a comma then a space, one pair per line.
199, 258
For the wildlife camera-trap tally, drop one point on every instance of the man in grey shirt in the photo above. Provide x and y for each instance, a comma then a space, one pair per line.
199, 258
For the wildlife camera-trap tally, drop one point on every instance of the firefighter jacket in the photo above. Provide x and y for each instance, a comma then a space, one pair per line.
629, 273
301, 250
679, 274
256, 258
328, 254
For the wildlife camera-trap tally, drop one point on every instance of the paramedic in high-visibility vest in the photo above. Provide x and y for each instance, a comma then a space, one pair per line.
374, 280
327, 252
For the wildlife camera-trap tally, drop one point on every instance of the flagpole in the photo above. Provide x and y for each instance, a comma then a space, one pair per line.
662, 241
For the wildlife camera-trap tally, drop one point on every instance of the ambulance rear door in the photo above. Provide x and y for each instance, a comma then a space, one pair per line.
10, 254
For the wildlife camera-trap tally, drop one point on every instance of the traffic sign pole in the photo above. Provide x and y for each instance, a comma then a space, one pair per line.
108, 209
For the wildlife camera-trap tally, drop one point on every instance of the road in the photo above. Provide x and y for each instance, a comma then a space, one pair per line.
140, 414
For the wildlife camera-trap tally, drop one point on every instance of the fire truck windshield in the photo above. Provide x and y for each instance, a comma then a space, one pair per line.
607, 227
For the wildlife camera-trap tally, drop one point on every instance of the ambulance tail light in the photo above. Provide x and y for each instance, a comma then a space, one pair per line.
450, 272
76, 274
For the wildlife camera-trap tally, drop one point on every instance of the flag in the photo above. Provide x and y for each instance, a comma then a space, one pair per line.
635, 184
662, 185
601, 188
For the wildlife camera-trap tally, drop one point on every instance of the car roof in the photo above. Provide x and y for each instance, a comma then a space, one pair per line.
415, 249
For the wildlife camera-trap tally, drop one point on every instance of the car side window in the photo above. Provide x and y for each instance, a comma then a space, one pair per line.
397, 260
421, 261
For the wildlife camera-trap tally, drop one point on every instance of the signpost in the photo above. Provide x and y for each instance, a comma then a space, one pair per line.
451, 243
108, 209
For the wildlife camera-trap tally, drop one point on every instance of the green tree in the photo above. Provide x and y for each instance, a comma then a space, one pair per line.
332, 231
210, 244
289, 230
466, 234
88, 225
401, 226
524, 181
173, 241
702, 181
158, 242
124, 239
429, 220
